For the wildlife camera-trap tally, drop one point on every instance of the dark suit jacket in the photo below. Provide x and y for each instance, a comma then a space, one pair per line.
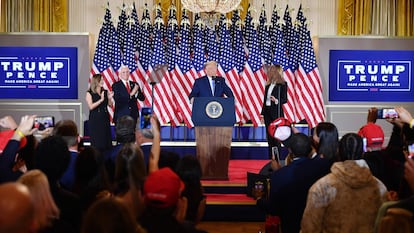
202, 88
124, 104
270, 113
289, 189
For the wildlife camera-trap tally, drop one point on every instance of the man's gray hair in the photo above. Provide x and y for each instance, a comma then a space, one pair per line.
147, 133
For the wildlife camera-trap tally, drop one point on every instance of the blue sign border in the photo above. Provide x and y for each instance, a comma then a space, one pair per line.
65, 85
350, 85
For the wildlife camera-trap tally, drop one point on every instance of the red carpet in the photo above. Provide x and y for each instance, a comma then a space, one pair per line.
238, 172
227, 199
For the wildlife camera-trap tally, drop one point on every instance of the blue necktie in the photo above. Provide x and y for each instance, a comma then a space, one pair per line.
213, 85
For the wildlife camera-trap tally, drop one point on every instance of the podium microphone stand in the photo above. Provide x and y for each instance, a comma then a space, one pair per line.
152, 95
155, 77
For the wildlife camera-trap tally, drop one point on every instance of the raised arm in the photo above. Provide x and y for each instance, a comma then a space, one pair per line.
156, 145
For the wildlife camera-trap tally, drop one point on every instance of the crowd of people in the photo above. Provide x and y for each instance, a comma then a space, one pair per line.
348, 184
61, 187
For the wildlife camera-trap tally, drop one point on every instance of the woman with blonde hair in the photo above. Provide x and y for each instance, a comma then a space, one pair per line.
274, 96
46, 211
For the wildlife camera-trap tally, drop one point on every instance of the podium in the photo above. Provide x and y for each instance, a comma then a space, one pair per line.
213, 119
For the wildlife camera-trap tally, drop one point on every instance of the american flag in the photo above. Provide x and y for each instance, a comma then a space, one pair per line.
292, 38
308, 80
289, 76
101, 63
122, 26
275, 26
144, 57
184, 73
199, 58
248, 29
239, 58
212, 51
264, 38
288, 32
227, 69
163, 103
238, 44
253, 80
294, 52
135, 28
103, 52
171, 56
114, 50
172, 35
129, 55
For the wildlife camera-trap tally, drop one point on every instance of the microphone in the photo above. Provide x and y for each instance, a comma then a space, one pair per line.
216, 79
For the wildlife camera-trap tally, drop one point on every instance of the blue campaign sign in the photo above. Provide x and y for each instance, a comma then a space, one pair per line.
38, 73
371, 75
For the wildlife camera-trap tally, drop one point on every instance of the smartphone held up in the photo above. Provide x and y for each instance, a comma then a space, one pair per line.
145, 119
43, 122
387, 113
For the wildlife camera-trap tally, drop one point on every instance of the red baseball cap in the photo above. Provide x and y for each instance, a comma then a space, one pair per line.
280, 129
5, 138
163, 188
374, 135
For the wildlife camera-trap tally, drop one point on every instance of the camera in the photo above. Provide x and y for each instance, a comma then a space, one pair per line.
145, 120
43, 122
386, 113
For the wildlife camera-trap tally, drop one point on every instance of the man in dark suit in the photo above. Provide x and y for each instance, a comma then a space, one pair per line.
289, 185
210, 85
126, 93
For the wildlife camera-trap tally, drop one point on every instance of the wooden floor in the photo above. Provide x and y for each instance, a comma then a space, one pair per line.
225, 227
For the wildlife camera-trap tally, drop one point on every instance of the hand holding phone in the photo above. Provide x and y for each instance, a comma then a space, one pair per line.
275, 154
145, 120
387, 113
43, 122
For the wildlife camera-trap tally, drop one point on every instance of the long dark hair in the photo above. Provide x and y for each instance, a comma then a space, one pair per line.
130, 171
328, 140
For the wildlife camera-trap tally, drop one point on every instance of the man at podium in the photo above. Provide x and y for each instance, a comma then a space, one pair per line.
210, 85
213, 117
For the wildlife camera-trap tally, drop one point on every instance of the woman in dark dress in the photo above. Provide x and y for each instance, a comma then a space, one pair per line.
274, 97
98, 101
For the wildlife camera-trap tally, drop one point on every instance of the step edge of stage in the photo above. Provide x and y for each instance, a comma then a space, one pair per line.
233, 144
204, 184
246, 199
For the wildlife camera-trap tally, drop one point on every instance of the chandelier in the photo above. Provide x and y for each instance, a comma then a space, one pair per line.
210, 6
210, 10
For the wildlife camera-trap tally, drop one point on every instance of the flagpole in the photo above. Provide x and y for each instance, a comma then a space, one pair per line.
152, 95
278, 99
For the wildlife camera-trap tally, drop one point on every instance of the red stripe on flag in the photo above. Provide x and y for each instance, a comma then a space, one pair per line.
310, 94
253, 85
181, 84
233, 81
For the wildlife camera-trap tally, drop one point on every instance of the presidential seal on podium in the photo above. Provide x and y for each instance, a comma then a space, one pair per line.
214, 109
